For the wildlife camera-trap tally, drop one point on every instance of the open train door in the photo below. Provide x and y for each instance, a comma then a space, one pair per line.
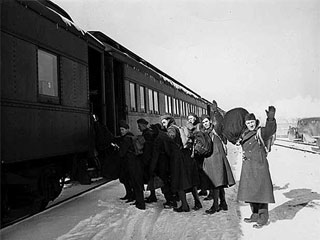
115, 93
96, 85
115, 105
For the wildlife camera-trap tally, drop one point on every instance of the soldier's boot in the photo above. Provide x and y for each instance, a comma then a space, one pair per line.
262, 219
253, 218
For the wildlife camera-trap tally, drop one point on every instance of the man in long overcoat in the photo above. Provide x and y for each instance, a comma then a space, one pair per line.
160, 164
217, 168
131, 168
145, 158
183, 168
255, 185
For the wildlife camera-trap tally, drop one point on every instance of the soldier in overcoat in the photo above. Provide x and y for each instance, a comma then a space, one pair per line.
160, 164
217, 168
131, 168
183, 168
255, 185
193, 125
146, 156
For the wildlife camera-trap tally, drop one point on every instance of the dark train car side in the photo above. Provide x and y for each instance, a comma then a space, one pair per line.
45, 120
137, 89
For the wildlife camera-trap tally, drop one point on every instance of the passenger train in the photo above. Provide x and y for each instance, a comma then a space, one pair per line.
54, 77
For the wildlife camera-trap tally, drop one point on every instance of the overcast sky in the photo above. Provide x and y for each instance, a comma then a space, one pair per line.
239, 52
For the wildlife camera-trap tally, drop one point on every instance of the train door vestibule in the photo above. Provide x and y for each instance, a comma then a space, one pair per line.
96, 85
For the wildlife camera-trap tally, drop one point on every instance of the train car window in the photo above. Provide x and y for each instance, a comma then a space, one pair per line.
156, 102
166, 103
169, 105
181, 107
48, 75
142, 99
133, 101
177, 106
187, 109
151, 108
184, 109
174, 106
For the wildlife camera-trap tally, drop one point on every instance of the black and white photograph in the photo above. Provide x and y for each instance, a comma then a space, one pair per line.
160, 119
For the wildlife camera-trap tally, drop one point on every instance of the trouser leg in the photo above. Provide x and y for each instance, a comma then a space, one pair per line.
168, 195
195, 194
129, 192
152, 193
139, 199
215, 204
197, 203
254, 216
254, 207
183, 198
215, 193
222, 195
223, 204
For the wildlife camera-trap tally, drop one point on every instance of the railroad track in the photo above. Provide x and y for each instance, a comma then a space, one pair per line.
57, 202
299, 146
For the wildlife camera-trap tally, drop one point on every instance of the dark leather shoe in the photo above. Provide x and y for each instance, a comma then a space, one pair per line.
211, 210
253, 218
223, 206
197, 206
141, 207
170, 204
130, 200
151, 199
180, 209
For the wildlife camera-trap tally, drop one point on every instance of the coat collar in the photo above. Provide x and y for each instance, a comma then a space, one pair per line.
249, 134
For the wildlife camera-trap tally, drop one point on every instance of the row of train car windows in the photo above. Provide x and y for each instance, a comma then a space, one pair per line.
48, 86
173, 105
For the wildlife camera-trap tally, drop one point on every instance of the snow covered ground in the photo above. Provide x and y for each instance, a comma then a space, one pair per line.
296, 213
100, 214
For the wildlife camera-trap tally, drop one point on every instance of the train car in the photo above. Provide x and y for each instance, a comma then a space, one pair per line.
137, 89
46, 62
54, 77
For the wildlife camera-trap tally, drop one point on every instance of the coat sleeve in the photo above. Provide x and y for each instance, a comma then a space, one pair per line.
124, 147
155, 155
269, 129
172, 132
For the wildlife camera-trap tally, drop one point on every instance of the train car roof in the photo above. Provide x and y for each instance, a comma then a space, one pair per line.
56, 14
115, 47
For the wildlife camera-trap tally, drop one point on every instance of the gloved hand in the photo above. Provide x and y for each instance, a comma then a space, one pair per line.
271, 112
